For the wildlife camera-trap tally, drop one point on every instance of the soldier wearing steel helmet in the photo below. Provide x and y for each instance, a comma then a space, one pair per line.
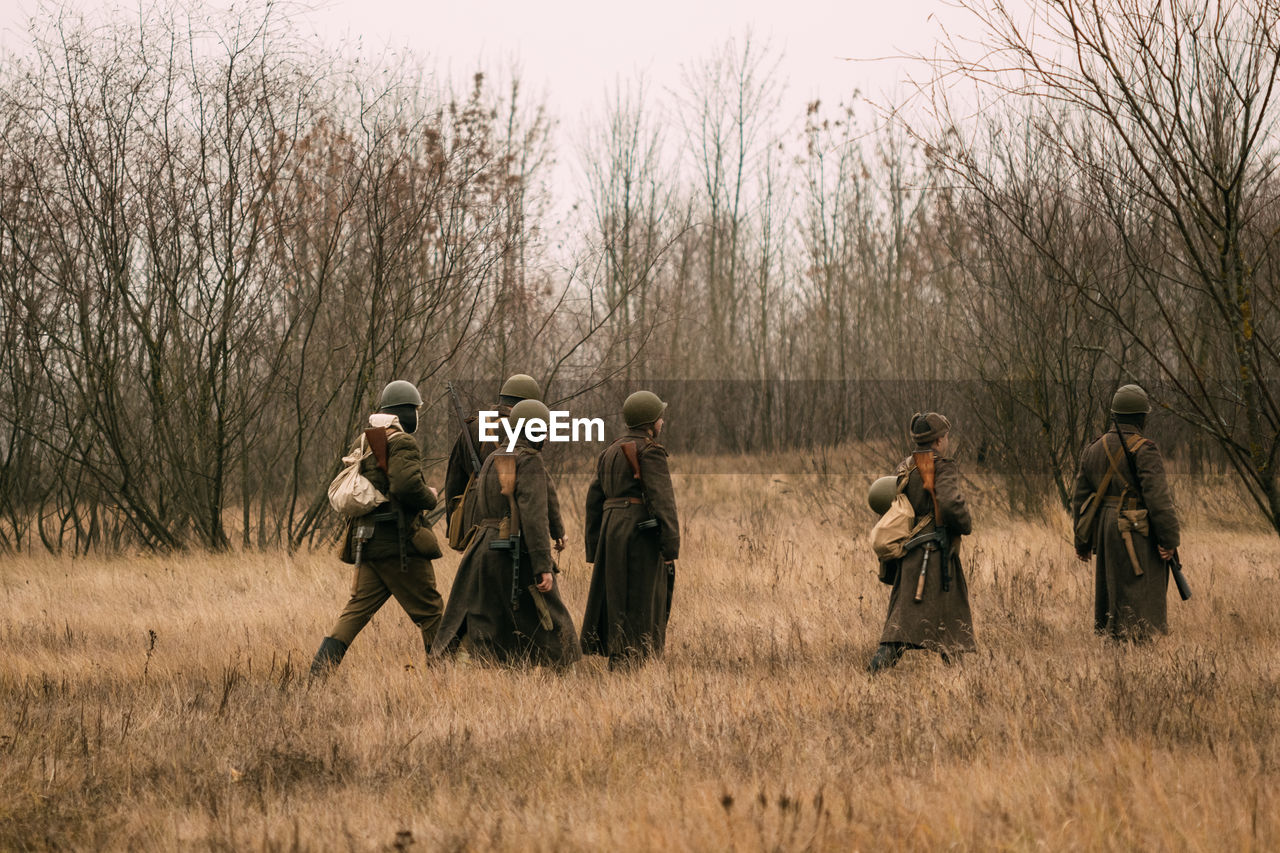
481, 619
388, 563
633, 538
1135, 530
519, 386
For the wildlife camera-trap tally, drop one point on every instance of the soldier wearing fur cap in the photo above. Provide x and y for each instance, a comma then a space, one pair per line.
929, 604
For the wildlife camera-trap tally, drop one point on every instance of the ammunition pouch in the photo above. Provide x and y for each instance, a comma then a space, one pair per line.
1133, 521
423, 539
1129, 521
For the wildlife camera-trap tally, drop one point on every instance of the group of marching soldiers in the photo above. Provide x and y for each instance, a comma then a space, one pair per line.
504, 515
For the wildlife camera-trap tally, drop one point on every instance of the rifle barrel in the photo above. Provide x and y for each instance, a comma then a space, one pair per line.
1179, 579
462, 424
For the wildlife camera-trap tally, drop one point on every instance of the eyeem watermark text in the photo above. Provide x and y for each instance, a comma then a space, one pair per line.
560, 428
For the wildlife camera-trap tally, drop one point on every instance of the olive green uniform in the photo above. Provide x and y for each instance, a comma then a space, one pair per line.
380, 574
629, 601
1128, 604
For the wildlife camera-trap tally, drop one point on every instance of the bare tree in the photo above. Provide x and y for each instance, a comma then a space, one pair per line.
1167, 117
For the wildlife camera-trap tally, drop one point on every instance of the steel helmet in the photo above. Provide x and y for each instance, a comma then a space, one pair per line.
521, 385
1130, 400
642, 407
399, 393
881, 494
529, 409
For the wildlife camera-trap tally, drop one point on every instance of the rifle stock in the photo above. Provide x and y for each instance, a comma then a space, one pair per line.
633, 460
924, 461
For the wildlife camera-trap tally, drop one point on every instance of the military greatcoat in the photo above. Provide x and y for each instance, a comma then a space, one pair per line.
631, 584
1127, 604
479, 610
942, 620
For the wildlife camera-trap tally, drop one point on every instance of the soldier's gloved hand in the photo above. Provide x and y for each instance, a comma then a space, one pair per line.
560, 544
1083, 556
544, 582
1165, 553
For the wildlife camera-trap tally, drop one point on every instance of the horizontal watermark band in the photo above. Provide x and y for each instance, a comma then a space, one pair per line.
560, 428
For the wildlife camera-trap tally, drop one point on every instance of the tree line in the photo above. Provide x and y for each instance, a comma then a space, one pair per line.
217, 242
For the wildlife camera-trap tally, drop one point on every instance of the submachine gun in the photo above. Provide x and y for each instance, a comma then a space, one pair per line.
506, 467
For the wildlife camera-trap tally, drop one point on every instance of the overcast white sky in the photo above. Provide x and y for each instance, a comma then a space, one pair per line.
575, 47
572, 49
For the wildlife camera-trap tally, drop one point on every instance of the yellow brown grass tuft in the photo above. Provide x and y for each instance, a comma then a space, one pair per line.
163, 702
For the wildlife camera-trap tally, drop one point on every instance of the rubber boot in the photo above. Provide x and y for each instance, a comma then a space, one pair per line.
885, 657
328, 656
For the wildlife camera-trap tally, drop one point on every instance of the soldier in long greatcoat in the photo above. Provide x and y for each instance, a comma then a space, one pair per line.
1135, 530
941, 621
633, 538
479, 617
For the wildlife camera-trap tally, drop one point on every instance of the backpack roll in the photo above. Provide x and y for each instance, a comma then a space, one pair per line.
351, 494
891, 533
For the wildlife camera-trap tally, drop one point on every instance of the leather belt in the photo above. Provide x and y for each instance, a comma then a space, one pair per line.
621, 503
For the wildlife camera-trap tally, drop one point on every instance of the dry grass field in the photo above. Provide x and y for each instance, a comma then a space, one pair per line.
163, 703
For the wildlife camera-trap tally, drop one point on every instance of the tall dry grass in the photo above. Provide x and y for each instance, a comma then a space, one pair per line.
163, 702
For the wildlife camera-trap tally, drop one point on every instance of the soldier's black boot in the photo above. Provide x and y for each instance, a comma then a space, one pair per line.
885, 657
328, 656
428, 638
